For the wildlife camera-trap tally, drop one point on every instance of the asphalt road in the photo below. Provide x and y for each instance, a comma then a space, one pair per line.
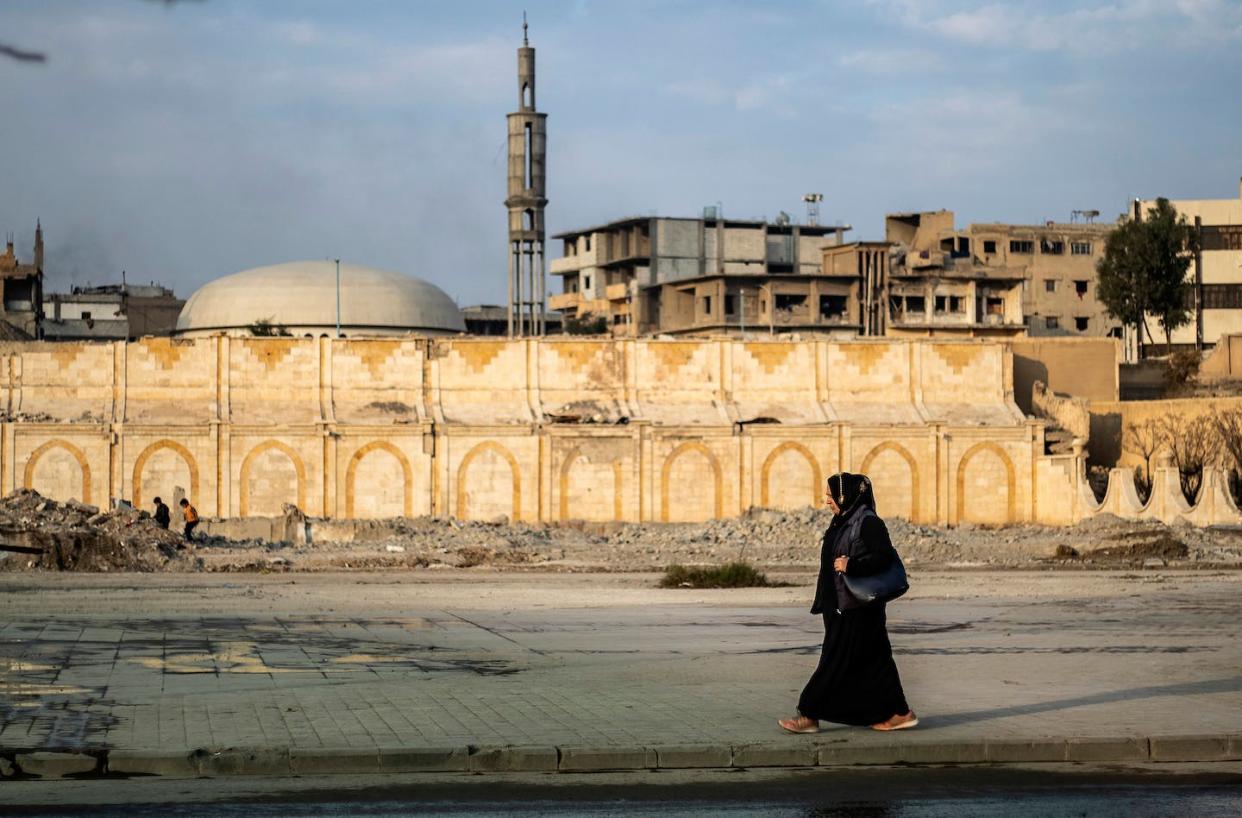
1139, 792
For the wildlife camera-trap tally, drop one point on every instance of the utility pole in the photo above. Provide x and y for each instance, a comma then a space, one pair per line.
338, 298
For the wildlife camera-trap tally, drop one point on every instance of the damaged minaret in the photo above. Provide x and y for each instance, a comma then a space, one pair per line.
526, 201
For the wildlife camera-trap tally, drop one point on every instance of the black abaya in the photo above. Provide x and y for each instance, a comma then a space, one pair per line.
856, 681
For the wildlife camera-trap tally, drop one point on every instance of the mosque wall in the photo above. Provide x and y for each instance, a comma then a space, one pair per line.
558, 429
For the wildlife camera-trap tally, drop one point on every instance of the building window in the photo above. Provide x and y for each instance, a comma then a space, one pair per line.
730, 304
989, 246
586, 244
707, 305
586, 283
995, 306
1080, 248
1081, 323
1222, 296
1052, 322
942, 303
1080, 288
85, 315
832, 307
789, 302
1023, 246
1052, 247
1050, 285
908, 306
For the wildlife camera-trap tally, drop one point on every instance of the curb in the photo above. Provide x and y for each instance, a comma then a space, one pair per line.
284, 761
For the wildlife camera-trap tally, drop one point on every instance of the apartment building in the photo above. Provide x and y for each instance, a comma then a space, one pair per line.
663, 274
1058, 262
928, 278
1215, 275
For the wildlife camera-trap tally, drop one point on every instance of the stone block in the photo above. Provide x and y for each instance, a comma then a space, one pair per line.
422, 759
1190, 748
242, 761
512, 759
1016, 751
1106, 749
690, 756
333, 761
582, 759
774, 755
167, 763
55, 765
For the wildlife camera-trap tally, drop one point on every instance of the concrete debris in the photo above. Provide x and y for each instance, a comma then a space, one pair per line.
127, 540
76, 537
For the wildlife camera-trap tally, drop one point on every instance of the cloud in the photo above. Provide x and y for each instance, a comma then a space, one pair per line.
1126, 25
892, 61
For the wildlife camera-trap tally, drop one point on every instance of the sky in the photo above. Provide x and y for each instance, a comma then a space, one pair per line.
183, 141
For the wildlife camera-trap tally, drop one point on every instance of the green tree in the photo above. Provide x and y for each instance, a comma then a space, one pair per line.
586, 324
1143, 271
264, 328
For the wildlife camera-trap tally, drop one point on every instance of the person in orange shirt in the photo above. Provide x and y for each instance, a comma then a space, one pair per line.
191, 518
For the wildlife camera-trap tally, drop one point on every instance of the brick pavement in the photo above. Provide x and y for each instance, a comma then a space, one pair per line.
1137, 665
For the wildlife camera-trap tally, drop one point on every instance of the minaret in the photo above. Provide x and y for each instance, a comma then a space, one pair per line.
526, 201
38, 247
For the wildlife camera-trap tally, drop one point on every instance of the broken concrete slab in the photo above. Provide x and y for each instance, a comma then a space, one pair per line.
55, 765
166, 763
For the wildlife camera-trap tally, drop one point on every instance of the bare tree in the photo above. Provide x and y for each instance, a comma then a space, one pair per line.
1193, 444
1228, 423
1145, 439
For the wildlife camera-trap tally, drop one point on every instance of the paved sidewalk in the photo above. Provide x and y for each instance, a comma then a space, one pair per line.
1084, 677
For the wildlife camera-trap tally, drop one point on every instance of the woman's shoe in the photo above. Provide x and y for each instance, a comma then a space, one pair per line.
898, 722
801, 724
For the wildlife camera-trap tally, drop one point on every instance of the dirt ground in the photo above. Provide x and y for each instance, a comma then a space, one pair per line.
43, 535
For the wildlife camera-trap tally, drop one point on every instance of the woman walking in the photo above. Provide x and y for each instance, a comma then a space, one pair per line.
856, 681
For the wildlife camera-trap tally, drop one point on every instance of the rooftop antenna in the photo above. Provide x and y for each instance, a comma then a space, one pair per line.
525, 42
812, 207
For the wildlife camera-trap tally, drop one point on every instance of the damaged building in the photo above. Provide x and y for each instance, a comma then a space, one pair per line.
928, 278
21, 301
648, 275
111, 312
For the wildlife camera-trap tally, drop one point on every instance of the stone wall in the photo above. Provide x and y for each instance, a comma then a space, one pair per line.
531, 430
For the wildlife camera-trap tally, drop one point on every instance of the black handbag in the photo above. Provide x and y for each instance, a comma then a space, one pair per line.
882, 587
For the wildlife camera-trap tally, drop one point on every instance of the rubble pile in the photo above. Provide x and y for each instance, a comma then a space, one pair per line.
71, 536
76, 537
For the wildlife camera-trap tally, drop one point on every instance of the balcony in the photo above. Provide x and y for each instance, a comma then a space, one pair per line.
564, 301
615, 292
570, 264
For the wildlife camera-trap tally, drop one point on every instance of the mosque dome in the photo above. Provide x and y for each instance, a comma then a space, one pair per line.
301, 297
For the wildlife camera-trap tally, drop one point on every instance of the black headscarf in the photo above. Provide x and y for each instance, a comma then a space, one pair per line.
850, 491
